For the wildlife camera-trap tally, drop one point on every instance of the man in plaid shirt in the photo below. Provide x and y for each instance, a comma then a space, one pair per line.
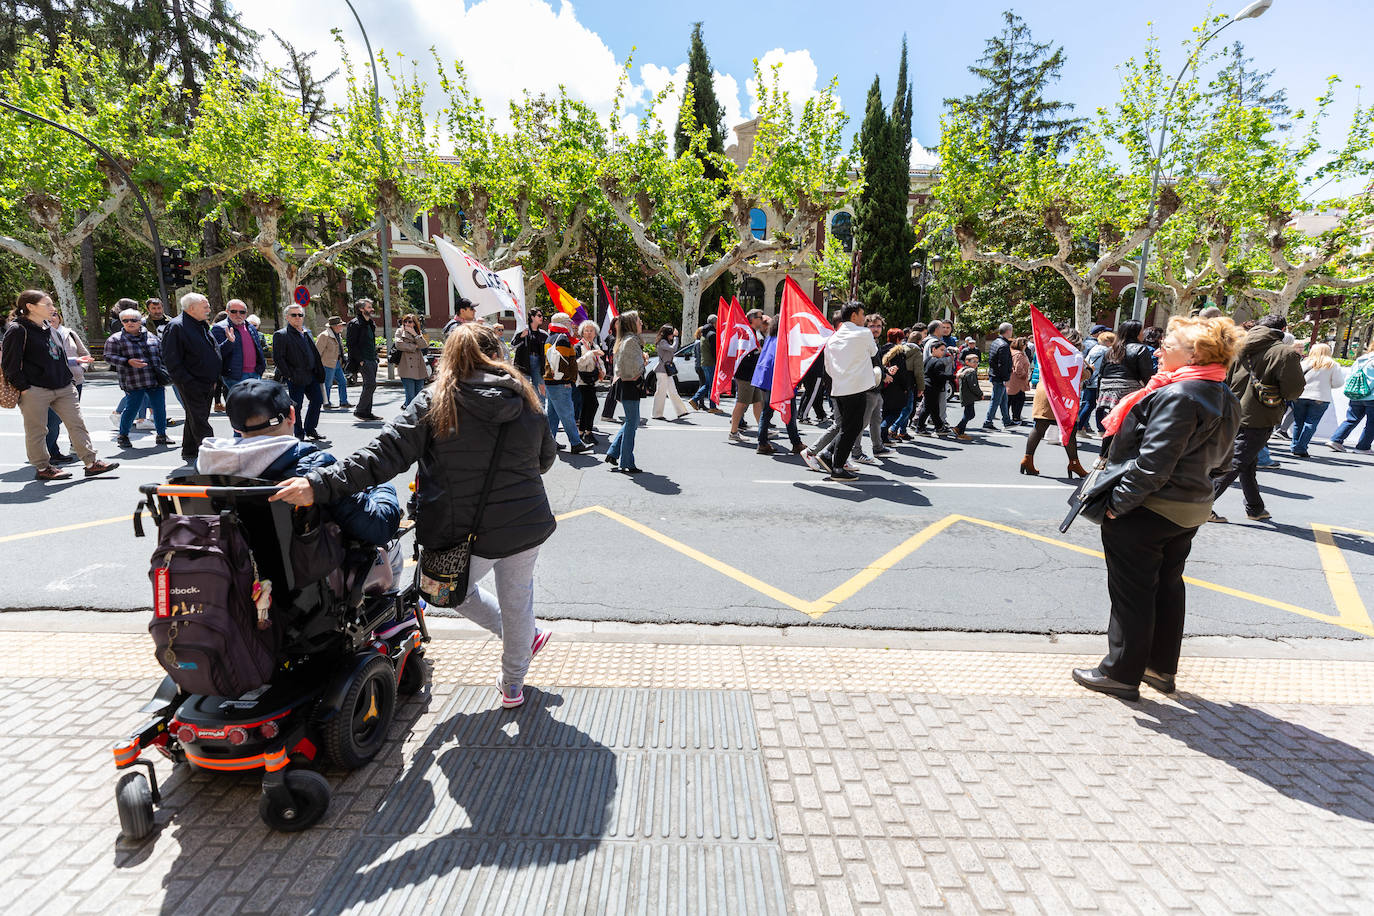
136, 355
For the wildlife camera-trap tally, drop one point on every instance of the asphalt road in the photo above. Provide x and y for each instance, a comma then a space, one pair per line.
944, 536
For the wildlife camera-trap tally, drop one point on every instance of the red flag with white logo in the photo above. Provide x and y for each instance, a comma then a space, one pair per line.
1061, 372
802, 333
734, 338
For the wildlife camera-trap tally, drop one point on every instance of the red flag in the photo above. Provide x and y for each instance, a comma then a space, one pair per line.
802, 332
1061, 372
734, 338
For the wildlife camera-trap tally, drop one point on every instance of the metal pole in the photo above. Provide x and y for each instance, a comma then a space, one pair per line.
382, 244
1138, 309
143, 204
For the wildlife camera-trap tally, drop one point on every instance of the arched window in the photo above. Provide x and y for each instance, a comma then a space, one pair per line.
415, 290
751, 293
842, 227
362, 284
758, 223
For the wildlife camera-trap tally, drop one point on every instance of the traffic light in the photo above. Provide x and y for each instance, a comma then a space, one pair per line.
176, 270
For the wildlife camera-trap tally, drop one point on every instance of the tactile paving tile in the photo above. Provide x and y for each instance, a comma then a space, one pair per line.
628, 800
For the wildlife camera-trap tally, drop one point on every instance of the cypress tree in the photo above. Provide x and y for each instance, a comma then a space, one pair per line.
706, 108
882, 229
1016, 71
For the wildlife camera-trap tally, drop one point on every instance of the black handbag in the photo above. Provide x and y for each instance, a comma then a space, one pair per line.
1091, 497
443, 575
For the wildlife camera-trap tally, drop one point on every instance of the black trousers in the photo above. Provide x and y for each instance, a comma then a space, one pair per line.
367, 372
1146, 554
195, 397
852, 410
931, 409
585, 407
1244, 464
1018, 404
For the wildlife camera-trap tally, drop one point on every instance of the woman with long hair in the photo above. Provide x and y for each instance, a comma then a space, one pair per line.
1126, 367
411, 345
35, 362
1044, 418
1321, 374
629, 365
1019, 383
665, 348
452, 429
1166, 441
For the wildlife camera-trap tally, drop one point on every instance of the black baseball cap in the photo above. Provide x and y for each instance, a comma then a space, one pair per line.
1098, 329
257, 397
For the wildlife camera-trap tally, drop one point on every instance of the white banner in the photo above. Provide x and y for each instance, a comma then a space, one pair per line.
490, 291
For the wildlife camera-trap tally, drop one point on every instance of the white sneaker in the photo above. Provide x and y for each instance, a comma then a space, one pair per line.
851, 467
144, 423
811, 461
114, 419
1363, 451
1335, 446
865, 459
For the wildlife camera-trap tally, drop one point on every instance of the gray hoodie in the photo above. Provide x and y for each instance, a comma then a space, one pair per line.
247, 457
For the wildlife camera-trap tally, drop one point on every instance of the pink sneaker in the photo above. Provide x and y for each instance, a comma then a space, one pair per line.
540, 637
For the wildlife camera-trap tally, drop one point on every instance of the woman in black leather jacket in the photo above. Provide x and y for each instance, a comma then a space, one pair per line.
1167, 439
450, 429
1126, 367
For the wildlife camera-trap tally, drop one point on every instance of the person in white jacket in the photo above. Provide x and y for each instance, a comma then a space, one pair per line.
849, 357
1321, 373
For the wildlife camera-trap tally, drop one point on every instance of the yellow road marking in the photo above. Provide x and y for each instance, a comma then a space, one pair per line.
1350, 610
126, 517
879, 566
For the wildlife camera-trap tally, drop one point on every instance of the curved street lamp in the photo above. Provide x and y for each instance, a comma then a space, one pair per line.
382, 245
1253, 11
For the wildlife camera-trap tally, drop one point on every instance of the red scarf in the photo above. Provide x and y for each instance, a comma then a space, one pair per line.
1213, 372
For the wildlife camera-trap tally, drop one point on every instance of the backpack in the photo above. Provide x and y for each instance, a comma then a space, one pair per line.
205, 623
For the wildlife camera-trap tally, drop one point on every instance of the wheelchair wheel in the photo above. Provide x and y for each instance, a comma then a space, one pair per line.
134, 799
415, 675
357, 733
309, 801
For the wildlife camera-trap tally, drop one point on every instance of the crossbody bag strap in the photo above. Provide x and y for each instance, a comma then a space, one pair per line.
486, 484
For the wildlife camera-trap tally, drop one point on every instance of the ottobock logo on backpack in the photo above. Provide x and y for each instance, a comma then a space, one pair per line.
204, 621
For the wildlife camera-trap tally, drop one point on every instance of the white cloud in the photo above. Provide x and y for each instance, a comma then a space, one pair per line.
922, 158
507, 47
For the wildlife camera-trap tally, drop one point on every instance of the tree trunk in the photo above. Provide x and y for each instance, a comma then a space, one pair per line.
64, 290
691, 301
209, 246
1083, 308
90, 293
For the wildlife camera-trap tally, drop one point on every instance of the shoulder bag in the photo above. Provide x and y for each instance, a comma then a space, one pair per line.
443, 574
1090, 499
1269, 395
9, 395
1356, 387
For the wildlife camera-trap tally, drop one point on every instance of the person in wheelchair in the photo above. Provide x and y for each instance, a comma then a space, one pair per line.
263, 414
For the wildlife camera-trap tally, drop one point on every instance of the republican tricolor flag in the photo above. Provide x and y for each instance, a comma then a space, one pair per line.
609, 315
564, 302
802, 333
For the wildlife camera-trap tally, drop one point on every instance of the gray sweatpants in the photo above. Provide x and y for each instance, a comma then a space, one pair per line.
509, 613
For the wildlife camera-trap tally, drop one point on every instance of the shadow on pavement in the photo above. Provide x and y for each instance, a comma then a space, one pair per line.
654, 483
888, 491
1303, 764
524, 790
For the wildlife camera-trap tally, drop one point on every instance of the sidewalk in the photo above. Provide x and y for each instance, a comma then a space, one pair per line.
731, 770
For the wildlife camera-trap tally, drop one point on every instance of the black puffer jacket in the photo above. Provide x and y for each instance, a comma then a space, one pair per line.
1171, 442
453, 468
1137, 365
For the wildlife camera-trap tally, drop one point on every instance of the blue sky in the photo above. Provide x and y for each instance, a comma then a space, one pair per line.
508, 45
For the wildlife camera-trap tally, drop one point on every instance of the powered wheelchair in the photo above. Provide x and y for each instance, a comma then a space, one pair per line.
345, 650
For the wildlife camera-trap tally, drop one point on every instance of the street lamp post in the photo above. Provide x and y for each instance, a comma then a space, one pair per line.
143, 204
382, 245
1253, 11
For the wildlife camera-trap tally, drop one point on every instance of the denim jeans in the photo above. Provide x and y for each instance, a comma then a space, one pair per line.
509, 613
308, 420
140, 398
559, 403
766, 419
1307, 413
336, 376
1085, 412
904, 418
411, 387
623, 445
703, 394
999, 400
1358, 410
